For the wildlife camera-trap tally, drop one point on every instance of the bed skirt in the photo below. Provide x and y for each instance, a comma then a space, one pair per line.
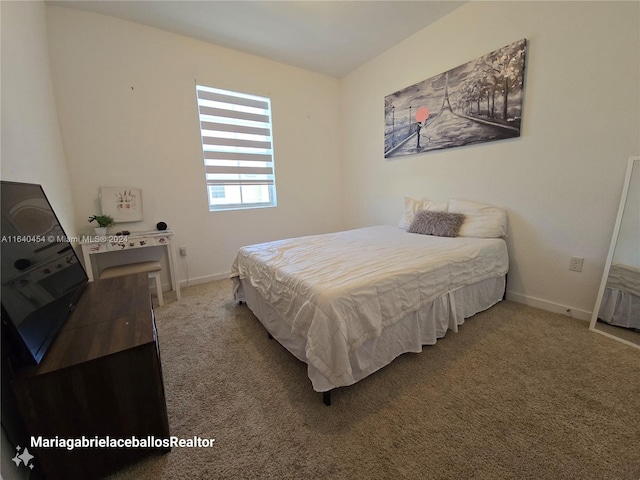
620, 308
422, 327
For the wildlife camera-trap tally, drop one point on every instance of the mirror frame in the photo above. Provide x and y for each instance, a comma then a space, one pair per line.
633, 161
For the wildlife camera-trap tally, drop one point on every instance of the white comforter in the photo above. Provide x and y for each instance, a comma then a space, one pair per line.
340, 289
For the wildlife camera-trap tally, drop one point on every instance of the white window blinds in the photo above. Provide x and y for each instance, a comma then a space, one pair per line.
237, 146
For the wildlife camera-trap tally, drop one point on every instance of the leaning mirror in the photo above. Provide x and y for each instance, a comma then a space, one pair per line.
617, 310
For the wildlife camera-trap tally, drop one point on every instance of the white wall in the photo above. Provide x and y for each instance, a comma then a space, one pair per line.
126, 99
32, 149
560, 181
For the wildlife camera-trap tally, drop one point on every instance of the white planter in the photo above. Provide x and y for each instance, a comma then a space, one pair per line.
101, 231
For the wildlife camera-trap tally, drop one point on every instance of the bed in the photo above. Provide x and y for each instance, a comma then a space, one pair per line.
620, 304
348, 303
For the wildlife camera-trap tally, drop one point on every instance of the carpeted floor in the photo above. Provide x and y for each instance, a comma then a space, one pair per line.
518, 393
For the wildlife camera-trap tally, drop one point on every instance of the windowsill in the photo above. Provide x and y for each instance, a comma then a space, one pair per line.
239, 207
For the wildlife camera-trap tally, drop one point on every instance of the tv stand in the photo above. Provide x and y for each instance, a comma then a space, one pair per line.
101, 378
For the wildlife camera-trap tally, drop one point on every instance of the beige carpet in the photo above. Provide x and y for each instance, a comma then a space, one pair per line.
518, 393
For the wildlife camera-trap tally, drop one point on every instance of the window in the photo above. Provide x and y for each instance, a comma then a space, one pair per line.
237, 147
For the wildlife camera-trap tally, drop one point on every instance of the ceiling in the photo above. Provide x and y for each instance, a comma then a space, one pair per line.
329, 37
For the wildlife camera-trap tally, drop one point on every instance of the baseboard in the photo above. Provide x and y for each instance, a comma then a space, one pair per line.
205, 279
166, 287
550, 306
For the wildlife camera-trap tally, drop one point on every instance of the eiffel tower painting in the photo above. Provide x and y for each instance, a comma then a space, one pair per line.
445, 99
479, 101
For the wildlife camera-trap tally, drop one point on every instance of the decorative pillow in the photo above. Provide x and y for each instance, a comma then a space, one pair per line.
441, 224
481, 220
413, 206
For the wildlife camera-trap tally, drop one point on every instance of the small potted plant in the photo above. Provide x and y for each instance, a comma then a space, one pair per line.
103, 221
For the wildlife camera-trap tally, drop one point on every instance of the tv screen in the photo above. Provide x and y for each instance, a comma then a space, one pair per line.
42, 277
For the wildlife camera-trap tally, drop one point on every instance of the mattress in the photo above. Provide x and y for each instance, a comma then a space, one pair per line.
337, 292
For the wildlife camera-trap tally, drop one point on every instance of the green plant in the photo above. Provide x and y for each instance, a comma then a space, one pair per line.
103, 220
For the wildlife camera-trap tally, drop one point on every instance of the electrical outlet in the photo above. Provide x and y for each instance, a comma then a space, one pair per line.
183, 251
575, 265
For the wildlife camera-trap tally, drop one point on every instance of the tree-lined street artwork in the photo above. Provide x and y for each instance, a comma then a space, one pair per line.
477, 102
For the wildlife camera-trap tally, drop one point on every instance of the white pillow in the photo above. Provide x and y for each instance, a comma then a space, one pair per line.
413, 206
481, 220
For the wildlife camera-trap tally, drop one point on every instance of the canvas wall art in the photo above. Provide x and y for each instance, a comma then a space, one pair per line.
479, 101
124, 204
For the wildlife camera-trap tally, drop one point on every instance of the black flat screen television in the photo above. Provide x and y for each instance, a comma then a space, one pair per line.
42, 277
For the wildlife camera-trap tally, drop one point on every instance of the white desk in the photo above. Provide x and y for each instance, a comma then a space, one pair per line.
114, 243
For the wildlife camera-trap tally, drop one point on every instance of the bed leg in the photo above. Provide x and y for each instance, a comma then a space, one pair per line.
506, 278
326, 398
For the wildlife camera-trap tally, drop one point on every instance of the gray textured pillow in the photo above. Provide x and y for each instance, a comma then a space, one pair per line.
441, 224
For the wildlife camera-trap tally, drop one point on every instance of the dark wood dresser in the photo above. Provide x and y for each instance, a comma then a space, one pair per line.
101, 378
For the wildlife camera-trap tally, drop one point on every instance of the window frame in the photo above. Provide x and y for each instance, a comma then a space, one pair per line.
236, 136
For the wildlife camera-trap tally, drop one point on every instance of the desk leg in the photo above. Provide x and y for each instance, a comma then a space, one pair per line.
88, 266
175, 285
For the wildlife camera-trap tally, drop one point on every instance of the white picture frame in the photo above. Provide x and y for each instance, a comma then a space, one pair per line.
124, 204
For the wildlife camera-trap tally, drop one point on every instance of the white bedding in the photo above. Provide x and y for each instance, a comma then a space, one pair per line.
625, 278
620, 305
339, 290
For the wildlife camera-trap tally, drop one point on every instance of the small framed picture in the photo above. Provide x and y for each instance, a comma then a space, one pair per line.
124, 204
